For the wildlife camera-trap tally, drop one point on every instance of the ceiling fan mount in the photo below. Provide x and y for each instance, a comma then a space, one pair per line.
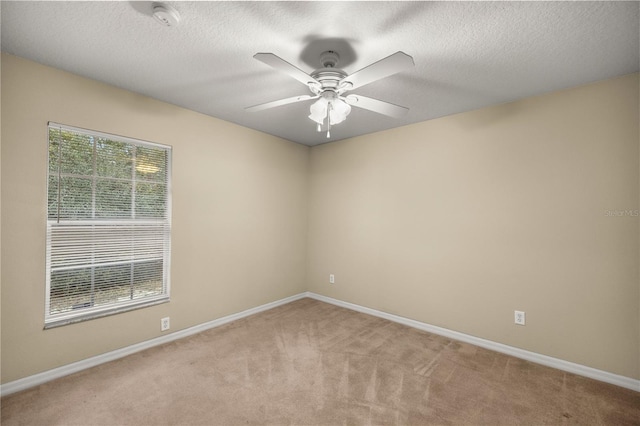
329, 83
329, 59
329, 77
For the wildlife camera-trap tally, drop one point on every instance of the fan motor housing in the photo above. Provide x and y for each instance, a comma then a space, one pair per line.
329, 78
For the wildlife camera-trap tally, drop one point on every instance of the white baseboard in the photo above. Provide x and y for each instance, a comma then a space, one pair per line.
570, 367
46, 376
65, 370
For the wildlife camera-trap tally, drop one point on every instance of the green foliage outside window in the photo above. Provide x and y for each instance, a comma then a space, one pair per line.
105, 200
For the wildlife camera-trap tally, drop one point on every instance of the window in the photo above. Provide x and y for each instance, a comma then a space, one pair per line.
108, 224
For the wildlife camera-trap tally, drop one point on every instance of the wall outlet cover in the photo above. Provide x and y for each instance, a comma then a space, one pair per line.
164, 324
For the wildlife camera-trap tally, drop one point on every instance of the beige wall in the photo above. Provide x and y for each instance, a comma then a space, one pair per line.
459, 221
455, 222
239, 215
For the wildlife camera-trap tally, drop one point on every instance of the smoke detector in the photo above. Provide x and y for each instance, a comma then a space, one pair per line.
166, 14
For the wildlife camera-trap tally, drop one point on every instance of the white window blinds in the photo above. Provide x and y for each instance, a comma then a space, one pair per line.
108, 224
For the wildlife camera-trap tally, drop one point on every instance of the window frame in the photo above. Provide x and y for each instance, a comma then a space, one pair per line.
64, 318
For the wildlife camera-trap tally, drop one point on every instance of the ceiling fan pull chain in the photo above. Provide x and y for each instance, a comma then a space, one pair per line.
329, 107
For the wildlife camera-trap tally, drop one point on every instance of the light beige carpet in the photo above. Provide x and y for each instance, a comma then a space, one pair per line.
308, 362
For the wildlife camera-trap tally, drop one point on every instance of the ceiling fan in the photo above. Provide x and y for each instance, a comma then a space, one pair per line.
329, 84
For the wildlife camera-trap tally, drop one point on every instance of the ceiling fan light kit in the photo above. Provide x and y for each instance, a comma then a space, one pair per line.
331, 107
329, 84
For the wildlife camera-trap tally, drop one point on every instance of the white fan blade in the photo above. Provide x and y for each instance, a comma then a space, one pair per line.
383, 68
375, 105
284, 66
280, 103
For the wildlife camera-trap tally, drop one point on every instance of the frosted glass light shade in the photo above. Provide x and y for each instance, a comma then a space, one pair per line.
319, 110
338, 110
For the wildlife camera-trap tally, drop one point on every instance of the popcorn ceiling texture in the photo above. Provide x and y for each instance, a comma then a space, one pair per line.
468, 55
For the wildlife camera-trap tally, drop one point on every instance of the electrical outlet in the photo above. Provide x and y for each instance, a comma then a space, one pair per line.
164, 324
332, 279
519, 317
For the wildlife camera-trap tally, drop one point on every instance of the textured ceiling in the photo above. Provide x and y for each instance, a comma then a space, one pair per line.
467, 54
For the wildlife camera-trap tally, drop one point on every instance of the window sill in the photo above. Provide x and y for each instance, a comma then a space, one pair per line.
76, 317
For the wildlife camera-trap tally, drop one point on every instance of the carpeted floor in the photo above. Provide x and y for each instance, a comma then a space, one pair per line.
309, 362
